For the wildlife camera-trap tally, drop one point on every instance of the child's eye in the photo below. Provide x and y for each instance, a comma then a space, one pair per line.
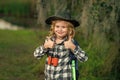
57, 26
64, 27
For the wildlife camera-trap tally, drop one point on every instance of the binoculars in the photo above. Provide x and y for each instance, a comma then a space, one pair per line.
53, 61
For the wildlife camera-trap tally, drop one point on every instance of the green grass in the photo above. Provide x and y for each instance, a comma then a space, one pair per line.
18, 63
16, 54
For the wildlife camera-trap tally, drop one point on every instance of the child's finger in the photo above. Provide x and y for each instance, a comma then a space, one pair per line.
48, 38
70, 37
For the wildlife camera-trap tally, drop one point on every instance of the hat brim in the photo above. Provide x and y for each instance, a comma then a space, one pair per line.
53, 18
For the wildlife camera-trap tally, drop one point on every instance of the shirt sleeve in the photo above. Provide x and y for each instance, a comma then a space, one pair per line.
39, 52
80, 54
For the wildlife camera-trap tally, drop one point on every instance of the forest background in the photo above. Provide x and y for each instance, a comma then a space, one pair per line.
98, 35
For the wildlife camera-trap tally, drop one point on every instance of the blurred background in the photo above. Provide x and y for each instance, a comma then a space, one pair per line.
22, 29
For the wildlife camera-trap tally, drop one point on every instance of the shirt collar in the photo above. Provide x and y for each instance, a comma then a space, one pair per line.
65, 39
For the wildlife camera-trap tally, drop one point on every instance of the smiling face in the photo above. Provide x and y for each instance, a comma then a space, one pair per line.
61, 29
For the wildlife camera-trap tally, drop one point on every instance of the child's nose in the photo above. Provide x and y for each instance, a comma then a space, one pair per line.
60, 29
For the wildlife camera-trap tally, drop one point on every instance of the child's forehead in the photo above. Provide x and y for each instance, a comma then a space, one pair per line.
61, 23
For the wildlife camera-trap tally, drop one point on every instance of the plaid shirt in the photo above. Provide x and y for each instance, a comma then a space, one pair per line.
63, 71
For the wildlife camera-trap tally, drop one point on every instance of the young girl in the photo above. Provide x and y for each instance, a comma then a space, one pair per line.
59, 45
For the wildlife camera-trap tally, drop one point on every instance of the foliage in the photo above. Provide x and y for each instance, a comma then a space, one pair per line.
100, 34
16, 58
19, 12
16, 8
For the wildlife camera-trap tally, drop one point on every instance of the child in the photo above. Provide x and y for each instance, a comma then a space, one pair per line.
59, 45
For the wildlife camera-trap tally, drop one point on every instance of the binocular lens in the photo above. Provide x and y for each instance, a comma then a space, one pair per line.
52, 61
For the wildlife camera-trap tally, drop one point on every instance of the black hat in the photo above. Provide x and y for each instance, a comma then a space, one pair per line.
64, 17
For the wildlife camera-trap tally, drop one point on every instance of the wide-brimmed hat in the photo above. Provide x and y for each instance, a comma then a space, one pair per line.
64, 17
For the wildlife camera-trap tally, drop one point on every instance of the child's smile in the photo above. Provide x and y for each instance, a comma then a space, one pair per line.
61, 29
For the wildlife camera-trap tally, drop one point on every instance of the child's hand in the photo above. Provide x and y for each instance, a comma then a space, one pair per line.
69, 44
48, 43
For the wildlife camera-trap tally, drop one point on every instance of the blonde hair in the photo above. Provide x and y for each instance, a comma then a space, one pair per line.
71, 30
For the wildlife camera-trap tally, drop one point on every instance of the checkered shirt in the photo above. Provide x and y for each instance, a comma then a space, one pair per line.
63, 71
